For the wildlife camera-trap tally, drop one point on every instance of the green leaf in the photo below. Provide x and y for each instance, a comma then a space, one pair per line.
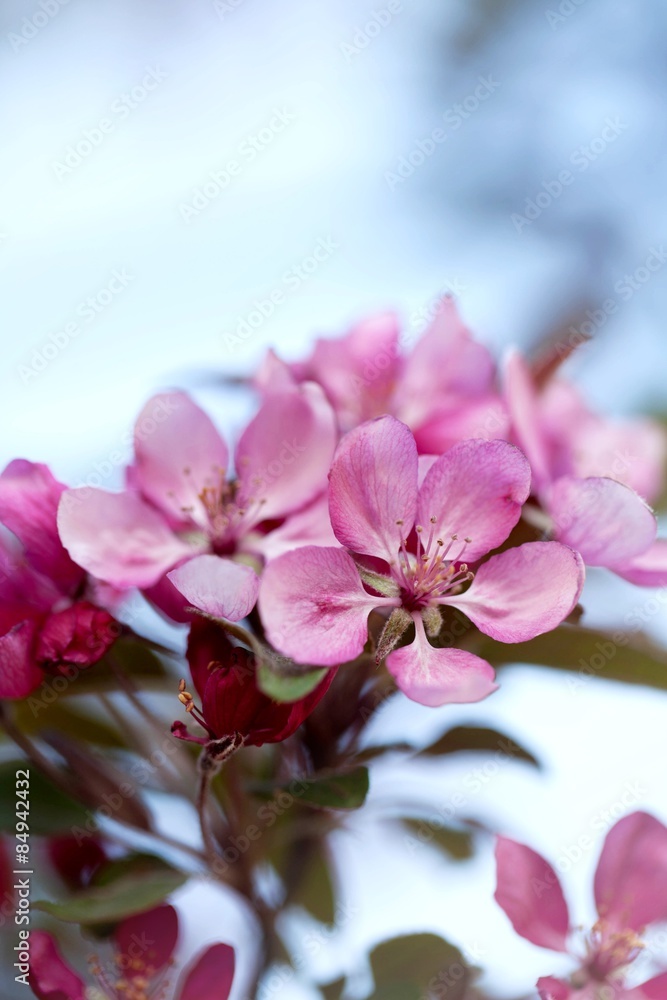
51, 810
457, 844
630, 657
60, 716
123, 897
345, 790
314, 890
462, 738
420, 962
333, 991
138, 864
398, 991
287, 688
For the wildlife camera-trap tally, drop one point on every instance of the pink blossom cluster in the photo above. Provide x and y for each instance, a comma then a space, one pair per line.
370, 481
376, 496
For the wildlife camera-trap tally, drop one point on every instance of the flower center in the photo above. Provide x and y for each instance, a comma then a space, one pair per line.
224, 513
610, 951
434, 569
128, 978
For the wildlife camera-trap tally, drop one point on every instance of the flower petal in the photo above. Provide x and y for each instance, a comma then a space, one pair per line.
526, 418
630, 883
314, 607
554, 989
19, 674
372, 486
210, 977
146, 941
654, 989
484, 418
529, 892
79, 634
475, 490
607, 522
178, 453
117, 537
29, 497
310, 526
649, 568
50, 977
359, 371
284, 454
524, 591
220, 587
435, 677
445, 365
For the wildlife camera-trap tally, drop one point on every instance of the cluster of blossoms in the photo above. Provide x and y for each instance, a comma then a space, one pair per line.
375, 497
370, 481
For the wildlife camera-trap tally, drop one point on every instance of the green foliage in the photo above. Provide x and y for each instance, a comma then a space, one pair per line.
117, 897
52, 811
287, 688
342, 790
630, 657
467, 738
411, 966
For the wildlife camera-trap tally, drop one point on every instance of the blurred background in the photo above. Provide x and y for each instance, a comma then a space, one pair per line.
169, 166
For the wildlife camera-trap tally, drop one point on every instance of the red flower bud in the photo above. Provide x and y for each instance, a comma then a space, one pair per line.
80, 635
225, 678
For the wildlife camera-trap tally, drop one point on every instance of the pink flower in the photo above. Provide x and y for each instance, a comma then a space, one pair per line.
443, 388
407, 543
143, 947
184, 513
630, 889
601, 516
47, 622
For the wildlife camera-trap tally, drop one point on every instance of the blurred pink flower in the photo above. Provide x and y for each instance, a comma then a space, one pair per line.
601, 516
443, 388
630, 889
143, 947
47, 622
182, 509
409, 523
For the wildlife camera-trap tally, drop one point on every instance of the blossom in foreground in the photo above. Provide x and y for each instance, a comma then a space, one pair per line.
410, 547
225, 678
443, 388
600, 516
183, 511
630, 889
48, 621
143, 947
